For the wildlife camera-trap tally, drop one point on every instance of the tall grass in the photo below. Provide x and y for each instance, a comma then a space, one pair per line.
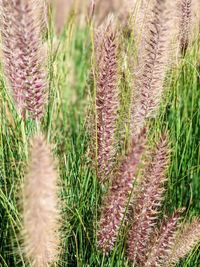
65, 124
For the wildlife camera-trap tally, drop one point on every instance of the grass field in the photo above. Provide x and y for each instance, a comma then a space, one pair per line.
65, 125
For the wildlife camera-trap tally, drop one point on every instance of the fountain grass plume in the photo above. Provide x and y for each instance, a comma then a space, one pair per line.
186, 239
23, 56
185, 24
146, 207
106, 96
163, 240
148, 84
41, 206
116, 200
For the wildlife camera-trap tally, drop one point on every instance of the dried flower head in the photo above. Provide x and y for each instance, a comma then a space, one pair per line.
40, 206
116, 200
185, 23
152, 65
106, 96
163, 240
184, 242
147, 204
22, 52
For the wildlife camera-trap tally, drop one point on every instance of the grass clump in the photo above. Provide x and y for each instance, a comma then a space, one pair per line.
121, 205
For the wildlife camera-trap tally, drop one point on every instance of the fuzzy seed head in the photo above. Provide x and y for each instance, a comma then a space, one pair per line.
116, 200
147, 204
40, 206
23, 55
185, 23
164, 240
151, 66
106, 96
186, 239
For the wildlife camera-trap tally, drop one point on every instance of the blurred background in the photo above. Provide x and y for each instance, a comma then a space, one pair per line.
63, 8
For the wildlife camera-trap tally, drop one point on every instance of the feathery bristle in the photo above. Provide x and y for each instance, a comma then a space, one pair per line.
106, 96
147, 204
185, 24
184, 242
40, 206
116, 200
163, 241
23, 55
151, 66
